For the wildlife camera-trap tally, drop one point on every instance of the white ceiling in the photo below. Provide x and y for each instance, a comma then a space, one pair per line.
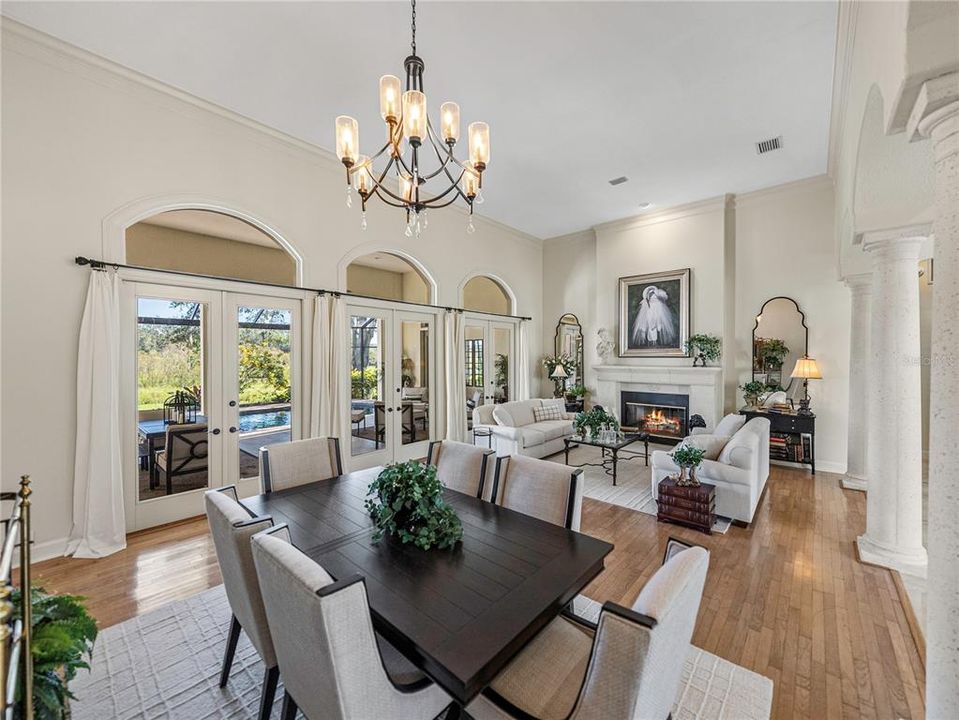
671, 95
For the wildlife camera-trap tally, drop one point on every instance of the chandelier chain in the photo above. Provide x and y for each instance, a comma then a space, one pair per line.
413, 26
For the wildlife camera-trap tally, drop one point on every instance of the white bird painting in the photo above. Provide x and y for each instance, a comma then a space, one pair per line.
655, 325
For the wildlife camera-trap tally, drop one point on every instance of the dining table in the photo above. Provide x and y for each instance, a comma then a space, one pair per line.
458, 614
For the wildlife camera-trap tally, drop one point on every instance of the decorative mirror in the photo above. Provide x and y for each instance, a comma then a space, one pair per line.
569, 340
780, 337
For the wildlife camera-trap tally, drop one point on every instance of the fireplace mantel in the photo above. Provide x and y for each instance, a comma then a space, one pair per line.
703, 385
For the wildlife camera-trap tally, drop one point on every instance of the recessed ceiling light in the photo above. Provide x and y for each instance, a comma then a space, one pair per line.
618, 181
645, 205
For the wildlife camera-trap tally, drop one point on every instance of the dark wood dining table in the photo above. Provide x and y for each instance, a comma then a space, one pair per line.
460, 614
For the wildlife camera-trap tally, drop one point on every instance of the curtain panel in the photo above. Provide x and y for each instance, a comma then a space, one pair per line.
454, 342
330, 368
522, 367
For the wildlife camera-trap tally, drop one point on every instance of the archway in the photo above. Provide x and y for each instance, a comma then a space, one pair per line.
389, 276
483, 292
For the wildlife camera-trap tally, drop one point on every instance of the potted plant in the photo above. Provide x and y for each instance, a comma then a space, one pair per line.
577, 392
752, 392
688, 458
590, 422
62, 643
705, 347
773, 352
406, 502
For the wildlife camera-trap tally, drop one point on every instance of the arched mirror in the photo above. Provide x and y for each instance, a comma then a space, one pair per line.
569, 341
780, 337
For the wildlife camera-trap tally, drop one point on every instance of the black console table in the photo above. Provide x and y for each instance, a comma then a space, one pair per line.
798, 432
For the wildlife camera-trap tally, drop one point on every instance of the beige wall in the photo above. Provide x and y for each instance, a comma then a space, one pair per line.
162, 247
374, 282
485, 295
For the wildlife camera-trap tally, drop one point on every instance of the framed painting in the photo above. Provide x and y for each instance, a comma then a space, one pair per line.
654, 314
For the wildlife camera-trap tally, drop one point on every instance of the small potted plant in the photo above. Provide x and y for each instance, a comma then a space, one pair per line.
575, 393
688, 458
590, 422
752, 392
705, 347
406, 502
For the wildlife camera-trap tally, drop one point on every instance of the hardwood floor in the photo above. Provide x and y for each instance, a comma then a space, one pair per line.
785, 597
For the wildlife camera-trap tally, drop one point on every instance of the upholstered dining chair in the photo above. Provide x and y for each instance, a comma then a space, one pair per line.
334, 667
286, 465
462, 467
546, 490
629, 666
184, 452
232, 527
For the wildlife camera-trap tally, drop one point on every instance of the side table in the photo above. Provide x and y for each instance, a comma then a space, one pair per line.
690, 505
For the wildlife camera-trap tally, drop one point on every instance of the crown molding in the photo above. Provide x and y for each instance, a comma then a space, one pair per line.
810, 184
700, 207
29, 42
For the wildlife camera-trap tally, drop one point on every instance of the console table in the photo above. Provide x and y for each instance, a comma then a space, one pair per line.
790, 425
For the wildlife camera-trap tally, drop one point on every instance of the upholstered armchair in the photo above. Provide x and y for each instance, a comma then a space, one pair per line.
545, 490
185, 452
332, 665
232, 527
289, 464
462, 467
628, 666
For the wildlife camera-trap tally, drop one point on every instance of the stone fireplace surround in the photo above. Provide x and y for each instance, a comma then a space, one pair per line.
703, 385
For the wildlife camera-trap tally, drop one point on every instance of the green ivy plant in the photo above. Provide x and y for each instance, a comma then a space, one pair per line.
578, 391
709, 346
752, 390
593, 420
687, 456
62, 643
773, 351
406, 502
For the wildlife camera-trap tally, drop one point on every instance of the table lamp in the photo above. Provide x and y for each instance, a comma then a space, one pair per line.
806, 369
559, 373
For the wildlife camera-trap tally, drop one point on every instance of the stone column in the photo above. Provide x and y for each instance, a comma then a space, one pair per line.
936, 115
860, 288
893, 535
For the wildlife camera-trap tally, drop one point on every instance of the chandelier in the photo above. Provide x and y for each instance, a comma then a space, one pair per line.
410, 136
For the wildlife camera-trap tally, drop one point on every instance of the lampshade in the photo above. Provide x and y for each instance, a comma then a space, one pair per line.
559, 372
807, 369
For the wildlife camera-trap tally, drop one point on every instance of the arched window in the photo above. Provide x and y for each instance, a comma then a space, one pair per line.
208, 243
387, 276
484, 294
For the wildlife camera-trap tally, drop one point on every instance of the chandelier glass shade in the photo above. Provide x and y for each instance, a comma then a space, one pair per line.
416, 168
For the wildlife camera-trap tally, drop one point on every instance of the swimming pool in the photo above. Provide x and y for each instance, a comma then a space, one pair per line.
263, 419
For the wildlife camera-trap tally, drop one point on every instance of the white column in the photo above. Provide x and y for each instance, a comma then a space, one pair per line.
860, 288
936, 115
893, 535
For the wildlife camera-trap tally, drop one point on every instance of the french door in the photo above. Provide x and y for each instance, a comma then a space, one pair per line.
393, 384
211, 376
490, 360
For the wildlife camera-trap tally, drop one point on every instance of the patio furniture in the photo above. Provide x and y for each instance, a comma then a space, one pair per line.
357, 417
185, 453
153, 434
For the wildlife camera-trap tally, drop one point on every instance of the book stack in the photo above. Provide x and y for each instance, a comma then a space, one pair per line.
789, 447
694, 506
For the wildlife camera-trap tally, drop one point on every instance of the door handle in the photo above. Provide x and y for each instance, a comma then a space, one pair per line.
232, 403
389, 409
399, 409
232, 429
215, 431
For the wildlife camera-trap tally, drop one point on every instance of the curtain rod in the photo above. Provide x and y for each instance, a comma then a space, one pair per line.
103, 264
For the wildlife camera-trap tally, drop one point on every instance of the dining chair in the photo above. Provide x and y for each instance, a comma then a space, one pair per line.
185, 452
462, 467
286, 465
546, 490
232, 527
332, 664
629, 666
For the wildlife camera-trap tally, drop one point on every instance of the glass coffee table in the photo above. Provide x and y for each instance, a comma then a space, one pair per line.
613, 450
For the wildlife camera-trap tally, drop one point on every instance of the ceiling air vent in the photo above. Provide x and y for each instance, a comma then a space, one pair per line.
618, 181
765, 146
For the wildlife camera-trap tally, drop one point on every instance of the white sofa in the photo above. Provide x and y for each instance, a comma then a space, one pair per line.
739, 473
516, 431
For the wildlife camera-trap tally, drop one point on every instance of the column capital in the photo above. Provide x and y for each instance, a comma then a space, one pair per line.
860, 282
905, 237
937, 102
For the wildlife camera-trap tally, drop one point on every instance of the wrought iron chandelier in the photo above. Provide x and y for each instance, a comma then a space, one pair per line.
410, 134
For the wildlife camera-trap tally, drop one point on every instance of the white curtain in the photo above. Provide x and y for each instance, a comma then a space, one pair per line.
327, 417
99, 527
522, 375
454, 341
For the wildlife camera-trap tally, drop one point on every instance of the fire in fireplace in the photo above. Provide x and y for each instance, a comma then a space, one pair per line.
662, 415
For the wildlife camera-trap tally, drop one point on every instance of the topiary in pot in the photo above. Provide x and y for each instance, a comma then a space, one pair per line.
687, 457
406, 502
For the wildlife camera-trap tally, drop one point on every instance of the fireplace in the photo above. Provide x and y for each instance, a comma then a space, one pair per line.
662, 415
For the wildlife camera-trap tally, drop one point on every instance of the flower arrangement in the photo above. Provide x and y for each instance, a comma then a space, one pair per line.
406, 501
592, 421
688, 458
752, 391
706, 347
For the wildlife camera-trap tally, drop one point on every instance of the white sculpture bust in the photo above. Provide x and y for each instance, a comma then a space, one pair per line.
604, 348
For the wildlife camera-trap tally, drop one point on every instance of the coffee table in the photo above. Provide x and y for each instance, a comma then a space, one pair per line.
613, 451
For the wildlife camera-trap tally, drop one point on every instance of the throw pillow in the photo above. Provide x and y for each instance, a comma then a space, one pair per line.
712, 445
730, 424
547, 412
558, 403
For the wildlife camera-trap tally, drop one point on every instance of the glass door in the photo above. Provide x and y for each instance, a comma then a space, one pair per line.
414, 383
500, 362
371, 410
489, 357
263, 369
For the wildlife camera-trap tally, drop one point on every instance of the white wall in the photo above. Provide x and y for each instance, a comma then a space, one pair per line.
742, 250
83, 138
